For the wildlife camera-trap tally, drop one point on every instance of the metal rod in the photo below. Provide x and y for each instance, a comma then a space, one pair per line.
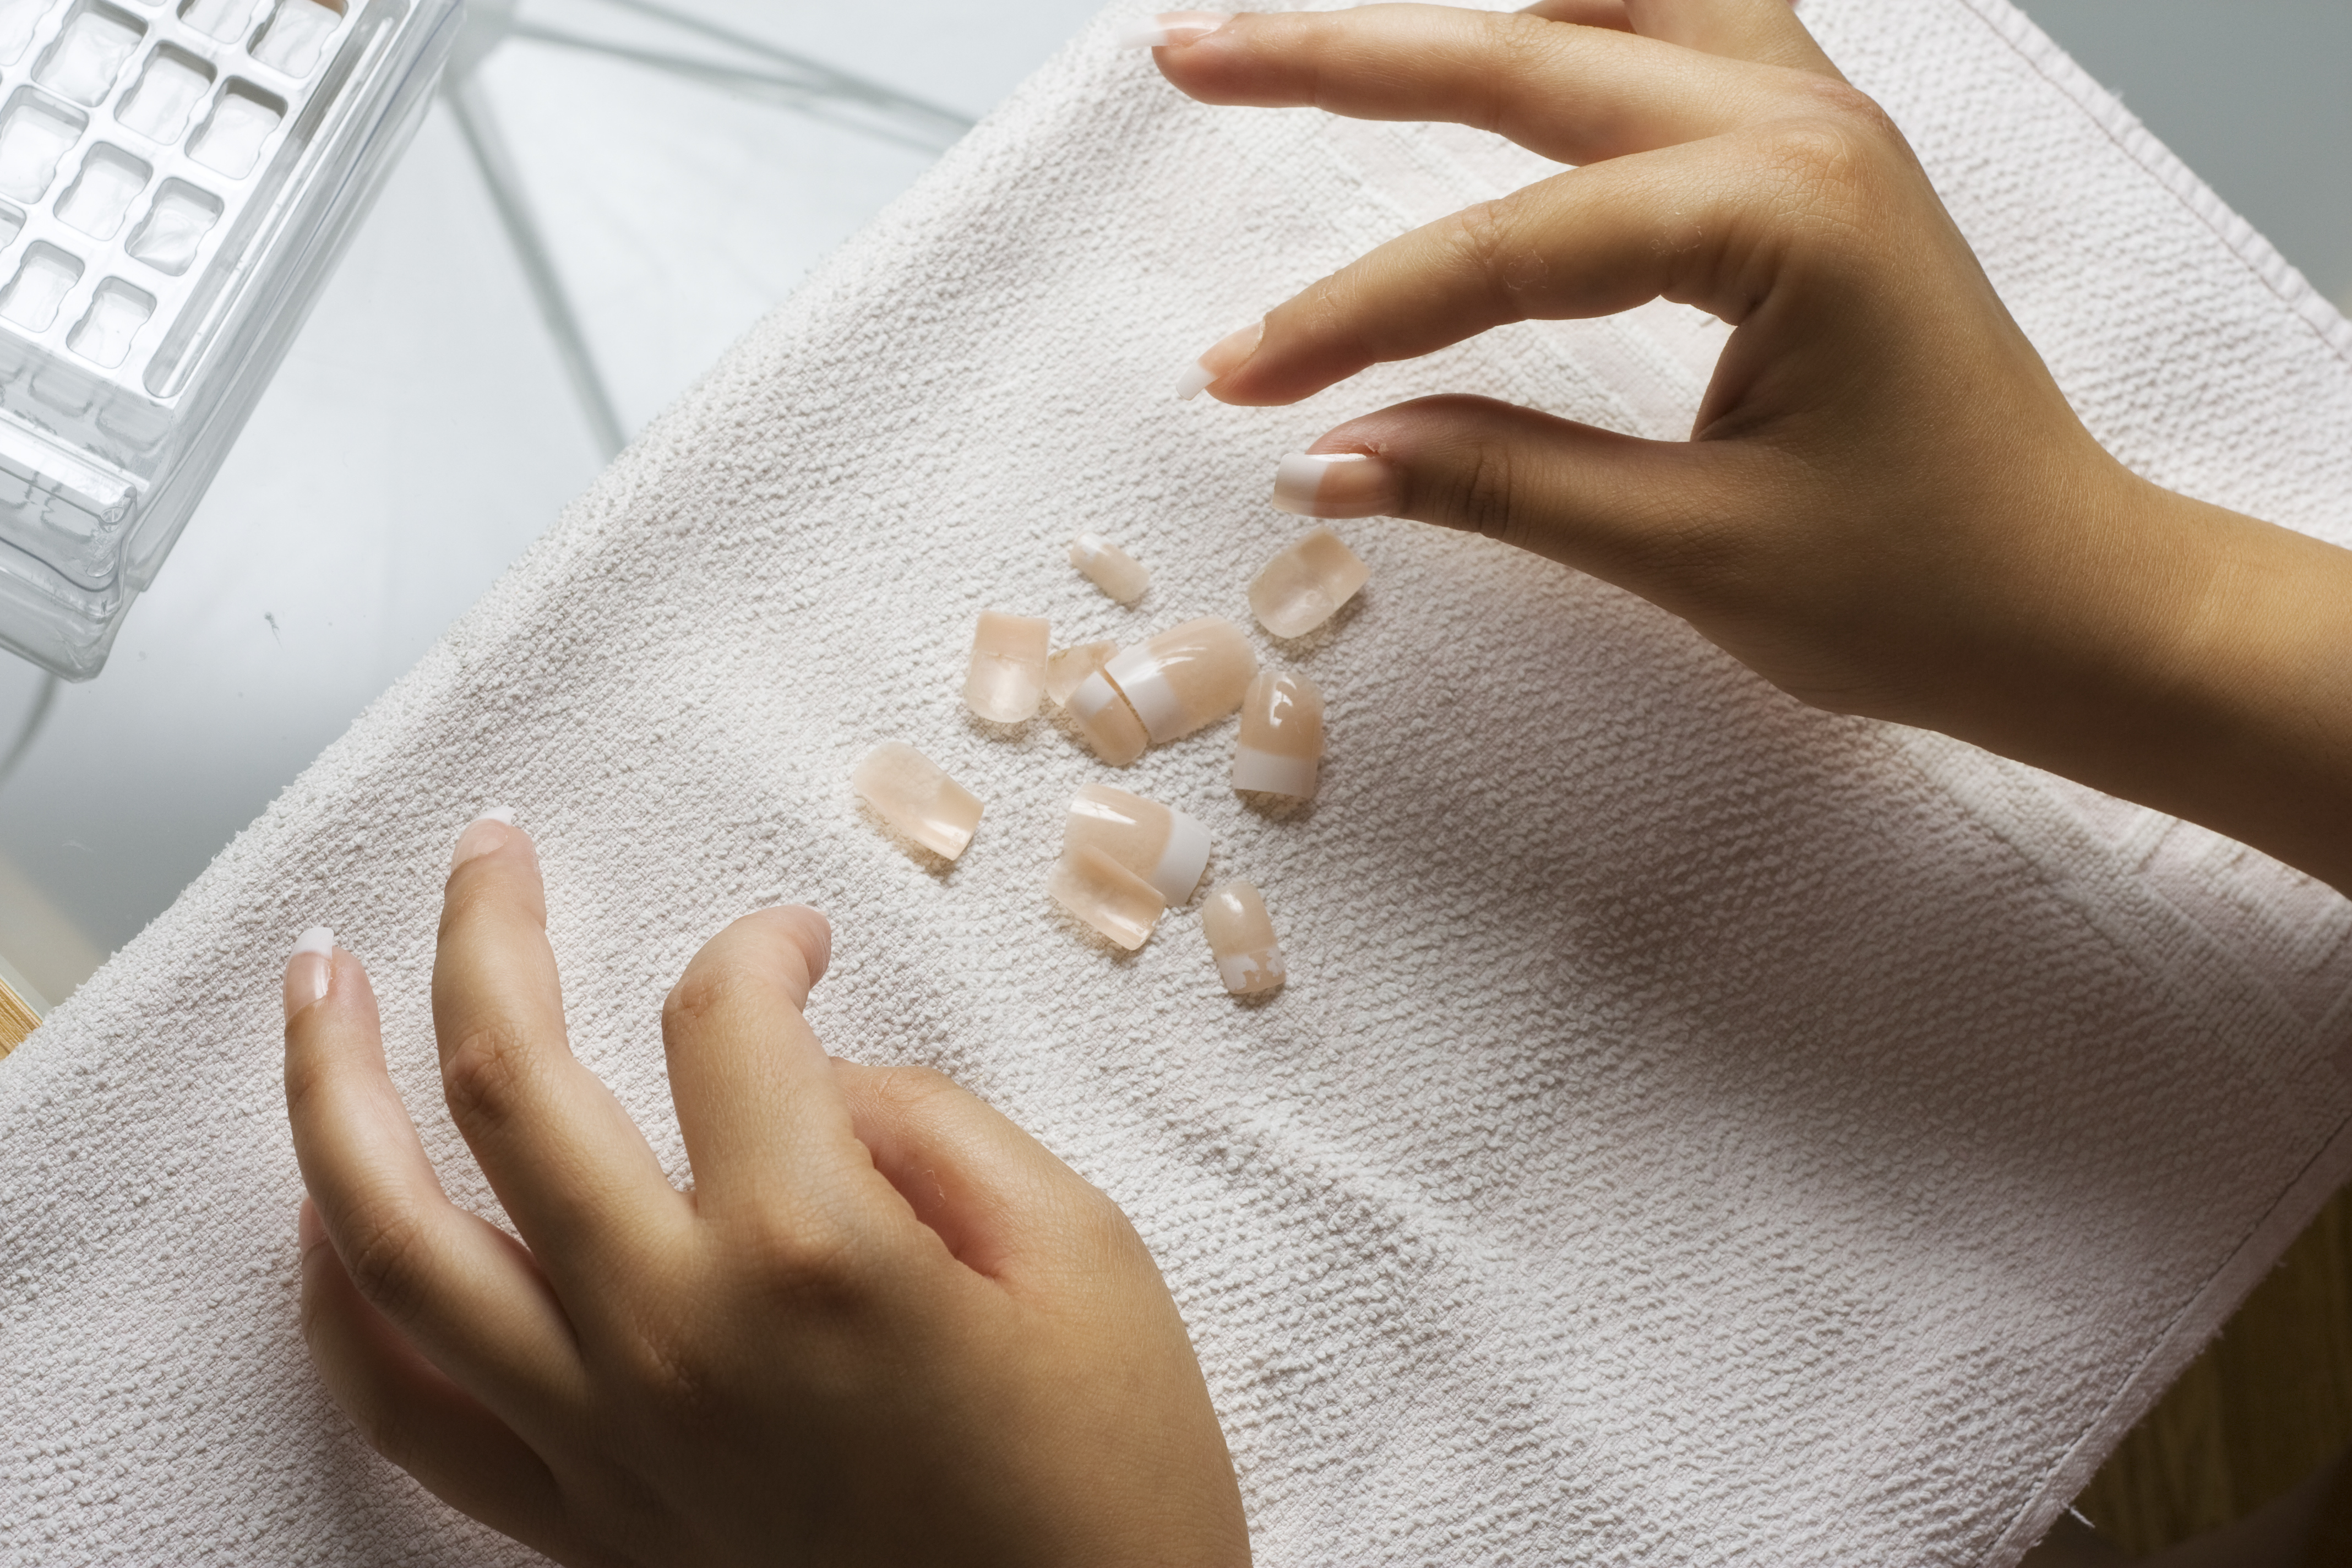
480, 126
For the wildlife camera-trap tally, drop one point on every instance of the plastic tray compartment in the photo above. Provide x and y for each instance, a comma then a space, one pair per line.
176, 178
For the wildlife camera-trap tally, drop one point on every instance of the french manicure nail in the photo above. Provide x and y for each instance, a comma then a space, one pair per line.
1155, 842
1335, 484
1241, 939
1106, 895
1109, 568
1281, 746
309, 970
479, 838
1226, 356
1171, 27
1305, 585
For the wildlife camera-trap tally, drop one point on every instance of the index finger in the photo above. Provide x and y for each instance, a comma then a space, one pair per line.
573, 1170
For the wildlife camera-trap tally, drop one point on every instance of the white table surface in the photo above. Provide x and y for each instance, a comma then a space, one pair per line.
422, 431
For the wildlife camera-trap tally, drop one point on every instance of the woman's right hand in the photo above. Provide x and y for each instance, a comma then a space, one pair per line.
1886, 506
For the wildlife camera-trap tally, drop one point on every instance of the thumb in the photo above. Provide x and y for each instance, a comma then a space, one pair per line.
999, 1199
1658, 518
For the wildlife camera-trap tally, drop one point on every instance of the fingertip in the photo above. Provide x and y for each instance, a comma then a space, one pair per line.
810, 933
486, 834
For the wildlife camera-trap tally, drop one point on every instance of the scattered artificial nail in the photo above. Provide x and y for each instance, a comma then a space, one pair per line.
1305, 585
1008, 667
1188, 676
914, 795
1109, 568
1281, 746
1241, 938
1067, 669
1106, 895
1157, 843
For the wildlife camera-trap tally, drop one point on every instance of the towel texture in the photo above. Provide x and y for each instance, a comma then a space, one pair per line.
1697, 1131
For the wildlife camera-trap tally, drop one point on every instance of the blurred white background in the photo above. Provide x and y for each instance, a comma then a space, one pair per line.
671, 175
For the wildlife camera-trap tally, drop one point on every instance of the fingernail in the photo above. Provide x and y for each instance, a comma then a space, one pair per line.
1306, 584
1106, 895
1335, 484
1109, 568
311, 969
1007, 673
1241, 938
914, 796
1171, 27
1067, 669
1226, 356
1281, 746
482, 834
1156, 842
1188, 677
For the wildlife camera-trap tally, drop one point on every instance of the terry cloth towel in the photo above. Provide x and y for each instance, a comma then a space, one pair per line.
1697, 1131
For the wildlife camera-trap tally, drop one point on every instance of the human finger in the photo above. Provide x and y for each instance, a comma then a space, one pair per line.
1764, 31
1660, 518
1005, 1205
1610, 14
414, 1415
762, 1118
1709, 224
574, 1171
1576, 94
471, 1301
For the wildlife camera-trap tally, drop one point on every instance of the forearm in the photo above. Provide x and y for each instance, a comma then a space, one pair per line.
2204, 667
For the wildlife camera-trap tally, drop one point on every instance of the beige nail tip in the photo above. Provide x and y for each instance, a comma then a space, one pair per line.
1008, 667
1067, 669
1241, 939
1305, 585
1190, 676
1158, 843
1106, 722
1280, 747
1106, 566
913, 794
1106, 895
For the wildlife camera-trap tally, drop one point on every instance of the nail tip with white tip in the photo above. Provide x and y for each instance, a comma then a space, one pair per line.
320, 939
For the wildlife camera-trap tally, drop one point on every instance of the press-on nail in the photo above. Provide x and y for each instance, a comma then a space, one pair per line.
1306, 584
914, 796
1008, 667
1188, 676
1106, 895
1109, 568
1171, 27
1335, 484
1241, 937
1068, 669
1226, 356
1157, 843
309, 970
1281, 745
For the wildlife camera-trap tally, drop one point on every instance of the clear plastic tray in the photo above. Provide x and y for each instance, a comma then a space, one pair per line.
176, 178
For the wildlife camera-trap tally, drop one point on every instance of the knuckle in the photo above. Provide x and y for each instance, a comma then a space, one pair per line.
387, 1259
483, 1073
710, 983
1483, 237
1483, 503
909, 1091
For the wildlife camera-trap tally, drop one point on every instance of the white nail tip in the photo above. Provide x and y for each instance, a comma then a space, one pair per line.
504, 814
318, 939
1193, 382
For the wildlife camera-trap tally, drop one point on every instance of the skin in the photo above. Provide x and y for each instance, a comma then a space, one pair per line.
884, 1325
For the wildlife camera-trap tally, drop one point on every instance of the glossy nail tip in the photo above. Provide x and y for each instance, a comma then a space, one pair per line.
503, 815
1193, 380
1169, 28
1119, 575
1333, 484
914, 796
1186, 678
1106, 722
1068, 669
1242, 941
1007, 675
318, 940
1305, 585
1158, 843
1226, 356
1105, 896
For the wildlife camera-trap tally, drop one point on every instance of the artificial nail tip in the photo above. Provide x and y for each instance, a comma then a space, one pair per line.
498, 813
318, 939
